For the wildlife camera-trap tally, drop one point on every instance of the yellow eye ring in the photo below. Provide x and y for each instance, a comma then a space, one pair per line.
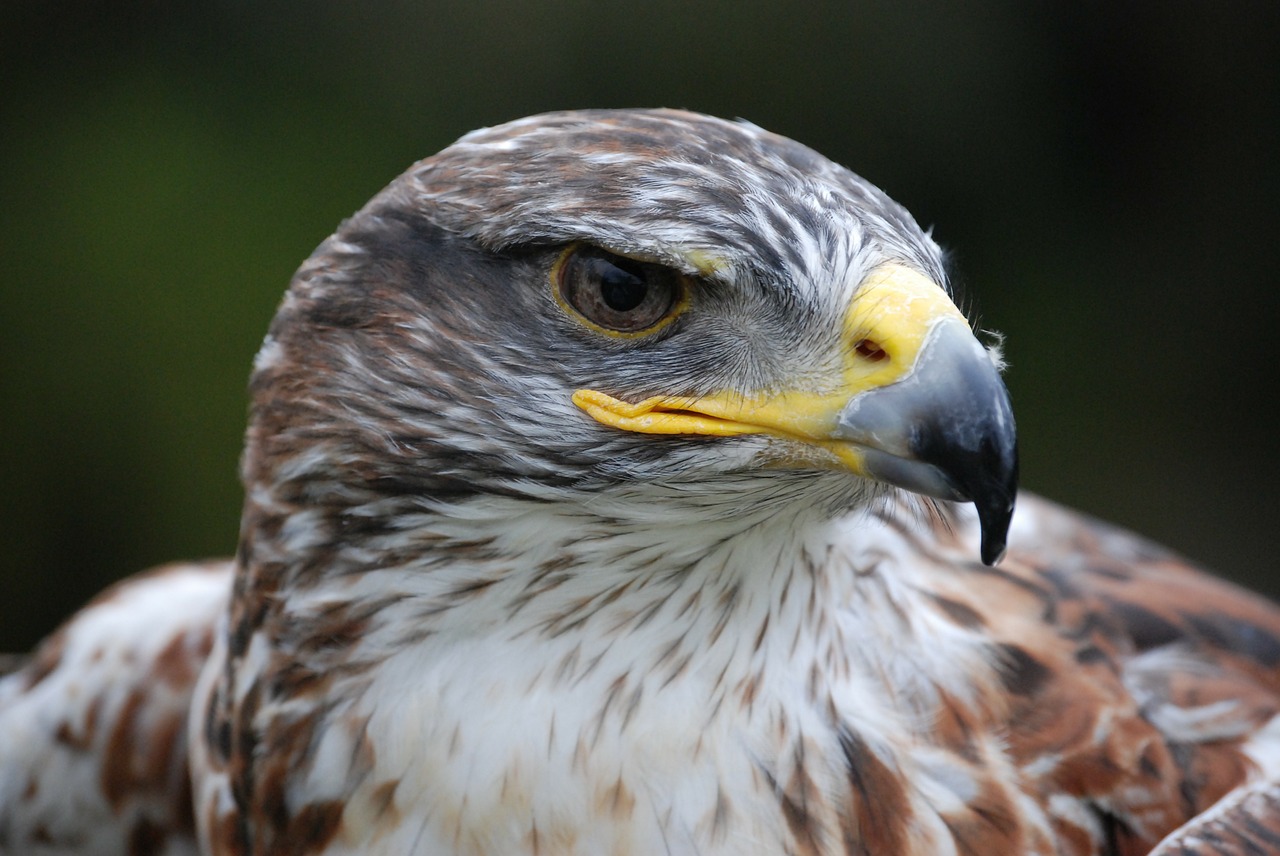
615, 295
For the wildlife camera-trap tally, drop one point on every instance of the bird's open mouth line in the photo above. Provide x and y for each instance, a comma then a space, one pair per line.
683, 411
663, 415
730, 425
657, 416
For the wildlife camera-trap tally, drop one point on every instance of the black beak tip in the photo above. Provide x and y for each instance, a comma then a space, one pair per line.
995, 533
983, 471
994, 501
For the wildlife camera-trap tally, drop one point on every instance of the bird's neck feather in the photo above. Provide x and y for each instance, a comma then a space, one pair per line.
576, 643
492, 558
658, 580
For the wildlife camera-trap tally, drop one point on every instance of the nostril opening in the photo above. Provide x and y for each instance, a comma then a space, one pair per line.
869, 350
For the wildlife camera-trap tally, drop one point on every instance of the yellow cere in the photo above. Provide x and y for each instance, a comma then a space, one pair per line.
893, 309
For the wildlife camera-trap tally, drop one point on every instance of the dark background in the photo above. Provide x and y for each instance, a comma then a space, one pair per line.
1107, 174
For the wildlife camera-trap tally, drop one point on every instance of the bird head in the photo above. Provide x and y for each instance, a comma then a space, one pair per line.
582, 300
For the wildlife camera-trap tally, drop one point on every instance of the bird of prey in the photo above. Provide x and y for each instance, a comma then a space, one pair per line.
628, 482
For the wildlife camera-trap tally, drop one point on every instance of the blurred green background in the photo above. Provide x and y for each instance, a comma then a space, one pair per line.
1106, 174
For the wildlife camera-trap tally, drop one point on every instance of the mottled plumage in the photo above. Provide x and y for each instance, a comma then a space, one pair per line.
620, 482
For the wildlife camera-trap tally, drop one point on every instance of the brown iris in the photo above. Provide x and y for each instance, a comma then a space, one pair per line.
617, 294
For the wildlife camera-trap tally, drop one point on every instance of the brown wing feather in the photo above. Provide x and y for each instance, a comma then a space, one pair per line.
1135, 681
93, 729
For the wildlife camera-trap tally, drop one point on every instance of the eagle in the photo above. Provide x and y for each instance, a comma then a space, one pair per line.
629, 482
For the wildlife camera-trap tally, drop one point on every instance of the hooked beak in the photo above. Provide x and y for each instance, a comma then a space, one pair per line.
919, 404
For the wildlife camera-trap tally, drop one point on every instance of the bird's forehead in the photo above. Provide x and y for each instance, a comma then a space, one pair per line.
677, 187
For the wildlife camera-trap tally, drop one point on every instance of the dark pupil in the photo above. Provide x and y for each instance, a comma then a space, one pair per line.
621, 290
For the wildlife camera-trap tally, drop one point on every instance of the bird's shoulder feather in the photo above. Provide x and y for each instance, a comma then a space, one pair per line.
93, 729
1136, 690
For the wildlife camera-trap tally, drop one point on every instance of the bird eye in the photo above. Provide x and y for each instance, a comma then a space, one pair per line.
617, 294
